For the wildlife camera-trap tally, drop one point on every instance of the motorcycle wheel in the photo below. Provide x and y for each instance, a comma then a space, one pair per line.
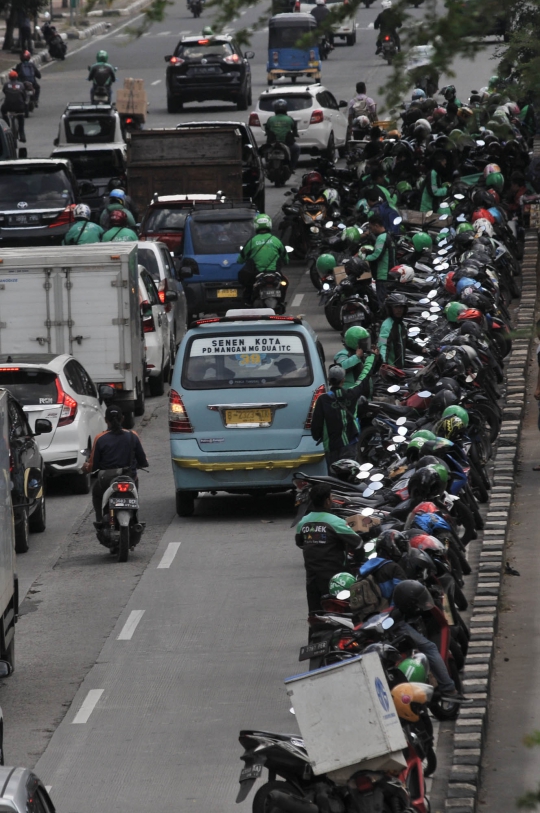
333, 315
123, 545
261, 803
314, 276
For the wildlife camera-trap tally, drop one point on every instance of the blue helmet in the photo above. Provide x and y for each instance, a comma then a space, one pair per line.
496, 214
431, 523
466, 282
119, 194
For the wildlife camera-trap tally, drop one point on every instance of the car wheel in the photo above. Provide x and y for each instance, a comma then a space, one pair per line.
38, 521
139, 405
173, 105
156, 384
8, 654
329, 152
351, 39
269, 82
22, 532
242, 102
129, 420
185, 503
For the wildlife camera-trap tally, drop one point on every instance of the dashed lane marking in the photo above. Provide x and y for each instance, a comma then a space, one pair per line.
156, 82
88, 706
297, 300
126, 633
168, 556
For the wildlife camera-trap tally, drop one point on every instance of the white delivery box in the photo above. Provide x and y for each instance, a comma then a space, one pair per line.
346, 713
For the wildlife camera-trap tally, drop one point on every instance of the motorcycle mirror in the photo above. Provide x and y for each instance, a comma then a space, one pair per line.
428, 214
393, 388
444, 266
398, 439
432, 317
368, 492
376, 486
362, 475
430, 279
432, 294
366, 466
376, 478
341, 226
397, 221
435, 308
289, 249
442, 252
329, 224
424, 394
418, 359
459, 196
367, 512
481, 143
402, 431
469, 379
461, 218
444, 217
423, 301
292, 711
401, 421
424, 314
369, 546
391, 448
343, 595
414, 331
387, 624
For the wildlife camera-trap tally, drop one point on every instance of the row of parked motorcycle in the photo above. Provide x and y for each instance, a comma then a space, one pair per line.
421, 474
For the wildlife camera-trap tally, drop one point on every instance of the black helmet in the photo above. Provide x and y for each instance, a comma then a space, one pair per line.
280, 106
345, 470
441, 400
386, 652
396, 300
336, 374
392, 545
425, 484
471, 329
416, 563
411, 597
355, 267
446, 383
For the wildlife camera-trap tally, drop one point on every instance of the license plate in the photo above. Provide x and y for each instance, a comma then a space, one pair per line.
251, 772
270, 293
23, 220
350, 317
116, 502
252, 417
227, 293
313, 650
199, 71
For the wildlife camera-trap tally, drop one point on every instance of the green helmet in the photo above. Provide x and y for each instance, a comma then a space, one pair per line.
352, 234
442, 235
339, 582
442, 470
493, 82
453, 309
422, 240
403, 186
495, 180
207, 31
354, 335
361, 206
456, 410
326, 262
416, 443
102, 56
424, 433
415, 668
263, 223
444, 209
463, 227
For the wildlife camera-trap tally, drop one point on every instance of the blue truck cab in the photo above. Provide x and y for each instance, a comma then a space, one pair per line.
212, 241
242, 395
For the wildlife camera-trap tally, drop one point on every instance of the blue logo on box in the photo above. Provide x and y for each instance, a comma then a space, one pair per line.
382, 694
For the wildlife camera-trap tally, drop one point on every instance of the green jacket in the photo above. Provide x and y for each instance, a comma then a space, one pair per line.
432, 189
381, 256
83, 231
392, 342
282, 127
266, 251
356, 369
104, 216
119, 234
325, 539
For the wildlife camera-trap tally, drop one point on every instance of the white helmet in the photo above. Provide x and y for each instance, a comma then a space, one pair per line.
82, 212
320, 2
47, 16
386, 4
483, 226
405, 273
423, 126
362, 121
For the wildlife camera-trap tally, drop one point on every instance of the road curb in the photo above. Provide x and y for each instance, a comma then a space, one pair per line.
471, 726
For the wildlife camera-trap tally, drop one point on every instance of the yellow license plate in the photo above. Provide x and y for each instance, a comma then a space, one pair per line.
252, 416
227, 293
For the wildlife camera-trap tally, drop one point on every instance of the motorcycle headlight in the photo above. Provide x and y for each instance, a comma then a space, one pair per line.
319, 216
314, 229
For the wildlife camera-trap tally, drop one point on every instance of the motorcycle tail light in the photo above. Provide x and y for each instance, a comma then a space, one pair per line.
254, 120
312, 55
178, 417
317, 117
387, 39
123, 487
316, 395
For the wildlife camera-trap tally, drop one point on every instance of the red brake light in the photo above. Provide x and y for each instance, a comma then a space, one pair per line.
69, 405
387, 39
129, 121
203, 42
207, 321
123, 487
297, 5
232, 59
178, 417
161, 295
316, 395
149, 326
63, 218
316, 117
9, 369
254, 120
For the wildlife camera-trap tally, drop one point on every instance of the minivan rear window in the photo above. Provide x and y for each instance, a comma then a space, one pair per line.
296, 101
30, 387
220, 236
37, 187
236, 361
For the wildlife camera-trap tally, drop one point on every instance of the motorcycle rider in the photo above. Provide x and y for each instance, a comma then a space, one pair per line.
28, 72
387, 23
101, 74
14, 101
380, 206
393, 338
263, 252
320, 12
83, 230
117, 201
382, 256
325, 540
116, 448
119, 231
433, 187
281, 127
361, 104
356, 357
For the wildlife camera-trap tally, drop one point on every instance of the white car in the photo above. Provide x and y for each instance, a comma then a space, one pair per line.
58, 389
157, 340
346, 30
322, 126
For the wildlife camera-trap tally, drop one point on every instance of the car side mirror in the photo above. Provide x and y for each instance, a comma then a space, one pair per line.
342, 103
185, 272
171, 296
87, 188
249, 55
106, 393
42, 427
55, 142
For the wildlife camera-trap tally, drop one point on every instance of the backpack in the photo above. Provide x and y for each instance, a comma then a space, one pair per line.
360, 108
366, 598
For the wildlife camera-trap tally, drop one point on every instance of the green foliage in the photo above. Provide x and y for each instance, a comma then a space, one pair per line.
531, 798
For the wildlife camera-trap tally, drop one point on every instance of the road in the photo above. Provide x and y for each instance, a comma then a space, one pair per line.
133, 681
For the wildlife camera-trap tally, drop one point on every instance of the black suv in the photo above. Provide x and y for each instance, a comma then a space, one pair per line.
207, 68
252, 168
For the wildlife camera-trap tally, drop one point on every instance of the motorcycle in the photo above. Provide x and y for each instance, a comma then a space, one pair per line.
196, 6
277, 163
120, 529
55, 44
325, 47
270, 291
30, 98
388, 48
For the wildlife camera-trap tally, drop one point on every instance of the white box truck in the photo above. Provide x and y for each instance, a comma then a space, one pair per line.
9, 585
82, 300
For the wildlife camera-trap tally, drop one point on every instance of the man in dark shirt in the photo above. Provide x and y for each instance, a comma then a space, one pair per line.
325, 540
14, 101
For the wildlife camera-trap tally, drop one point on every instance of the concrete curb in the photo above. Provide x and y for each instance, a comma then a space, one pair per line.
470, 730
121, 12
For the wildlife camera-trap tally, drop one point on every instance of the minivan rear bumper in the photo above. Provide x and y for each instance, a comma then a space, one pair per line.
241, 471
208, 297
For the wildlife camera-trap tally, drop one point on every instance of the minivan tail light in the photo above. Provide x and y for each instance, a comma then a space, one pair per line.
316, 117
316, 395
254, 120
297, 5
63, 219
178, 417
149, 326
69, 405
232, 59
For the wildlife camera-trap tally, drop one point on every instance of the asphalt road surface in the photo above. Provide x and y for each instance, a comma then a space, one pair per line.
133, 680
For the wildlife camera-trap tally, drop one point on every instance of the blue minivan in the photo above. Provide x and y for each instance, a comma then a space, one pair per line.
242, 395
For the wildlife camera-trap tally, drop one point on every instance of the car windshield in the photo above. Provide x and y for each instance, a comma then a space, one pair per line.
30, 387
204, 48
262, 359
295, 101
88, 165
159, 219
39, 188
97, 129
220, 236
148, 259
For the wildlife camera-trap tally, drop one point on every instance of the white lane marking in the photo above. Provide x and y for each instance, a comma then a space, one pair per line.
126, 633
48, 788
88, 706
184, 33
163, 34
297, 300
156, 82
243, 12
168, 556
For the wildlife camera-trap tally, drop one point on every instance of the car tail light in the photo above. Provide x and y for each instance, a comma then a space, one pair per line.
364, 783
232, 59
64, 218
297, 5
162, 294
254, 120
275, 57
69, 405
178, 417
123, 487
149, 326
312, 55
316, 117
316, 395
203, 42
175, 60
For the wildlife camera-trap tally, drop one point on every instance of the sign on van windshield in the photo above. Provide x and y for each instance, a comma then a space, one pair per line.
258, 360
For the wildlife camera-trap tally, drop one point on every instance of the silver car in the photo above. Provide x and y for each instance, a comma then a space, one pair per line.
23, 792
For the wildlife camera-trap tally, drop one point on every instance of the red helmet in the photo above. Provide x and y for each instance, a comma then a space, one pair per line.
118, 217
426, 542
311, 178
26, 55
495, 195
13, 75
425, 508
484, 214
471, 315
449, 284
438, 113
